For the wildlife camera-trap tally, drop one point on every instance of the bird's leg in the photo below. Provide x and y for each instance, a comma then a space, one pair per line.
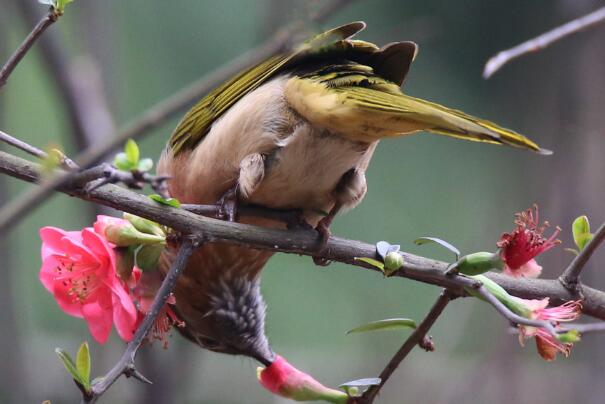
251, 173
228, 205
323, 228
349, 191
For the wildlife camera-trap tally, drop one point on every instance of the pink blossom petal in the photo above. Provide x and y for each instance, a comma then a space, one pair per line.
99, 321
76, 249
58, 289
52, 240
99, 246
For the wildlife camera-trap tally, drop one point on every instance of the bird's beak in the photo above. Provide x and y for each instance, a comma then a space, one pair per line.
266, 358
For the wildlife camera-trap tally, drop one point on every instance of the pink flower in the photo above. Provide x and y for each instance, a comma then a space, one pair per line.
548, 346
147, 284
78, 269
519, 248
285, 380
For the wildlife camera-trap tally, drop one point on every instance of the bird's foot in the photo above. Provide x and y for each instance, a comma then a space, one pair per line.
228, 206
323, 228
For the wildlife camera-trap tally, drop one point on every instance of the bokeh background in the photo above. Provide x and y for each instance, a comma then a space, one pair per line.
140, 52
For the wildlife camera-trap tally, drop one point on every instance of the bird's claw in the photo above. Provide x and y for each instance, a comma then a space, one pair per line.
228, 206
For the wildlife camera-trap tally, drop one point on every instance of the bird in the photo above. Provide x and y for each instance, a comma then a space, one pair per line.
296, 131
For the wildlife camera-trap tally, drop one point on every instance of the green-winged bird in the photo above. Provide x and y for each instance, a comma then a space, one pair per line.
296, 131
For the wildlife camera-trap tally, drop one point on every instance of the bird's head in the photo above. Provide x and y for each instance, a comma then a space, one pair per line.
230, 320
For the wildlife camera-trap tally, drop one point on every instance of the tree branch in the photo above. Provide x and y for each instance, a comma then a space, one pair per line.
533, 45
302, 241
569, 278
125, 365
22, 50
415, 338
34, 151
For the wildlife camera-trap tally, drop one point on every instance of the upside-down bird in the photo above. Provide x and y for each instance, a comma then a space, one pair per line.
297, 131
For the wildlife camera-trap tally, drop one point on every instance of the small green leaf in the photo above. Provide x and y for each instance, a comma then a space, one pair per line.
581, 232
132, 152
443, 243
355, 388
169, 202
384, 247
387, 324
70, 366
83, 363
121, 162
145, 165
371, 261
61, 4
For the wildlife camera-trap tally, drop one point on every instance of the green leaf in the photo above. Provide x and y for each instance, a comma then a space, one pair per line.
169, 202
145, 165
443, 243
121, 162
371, 261
387, 324
355, 388
384, 247
83, 363
581, 232
70, 366
132, 152
61, 4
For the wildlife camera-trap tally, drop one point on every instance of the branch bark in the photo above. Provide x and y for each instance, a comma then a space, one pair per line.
301, 241
569, 278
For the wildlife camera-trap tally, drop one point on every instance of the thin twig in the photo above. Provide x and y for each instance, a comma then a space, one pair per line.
125, 365
569, 278
533, 45
22, 50
586, 328
66, 162
415, 338
12, 213
306, 242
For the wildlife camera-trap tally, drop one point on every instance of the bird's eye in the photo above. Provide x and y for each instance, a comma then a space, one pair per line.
209, 343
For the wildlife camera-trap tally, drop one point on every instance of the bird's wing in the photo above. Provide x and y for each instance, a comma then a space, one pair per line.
357, 102
196, 123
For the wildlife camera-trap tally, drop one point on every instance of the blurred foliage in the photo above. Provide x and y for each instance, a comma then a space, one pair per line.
422, 185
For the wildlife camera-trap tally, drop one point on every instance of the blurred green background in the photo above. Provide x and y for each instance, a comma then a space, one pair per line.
144, 51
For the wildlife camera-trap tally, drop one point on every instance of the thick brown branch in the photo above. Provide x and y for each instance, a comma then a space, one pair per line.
33, 36
302, 241
570, 276
543, 41
415, 338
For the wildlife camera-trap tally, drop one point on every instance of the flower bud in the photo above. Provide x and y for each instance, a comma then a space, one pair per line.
392, 262
581, 232
145, 225
478, 263
125, 234
285, 380
124, 262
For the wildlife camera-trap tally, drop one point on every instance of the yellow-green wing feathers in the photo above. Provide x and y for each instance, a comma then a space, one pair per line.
358, 104
354, 90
